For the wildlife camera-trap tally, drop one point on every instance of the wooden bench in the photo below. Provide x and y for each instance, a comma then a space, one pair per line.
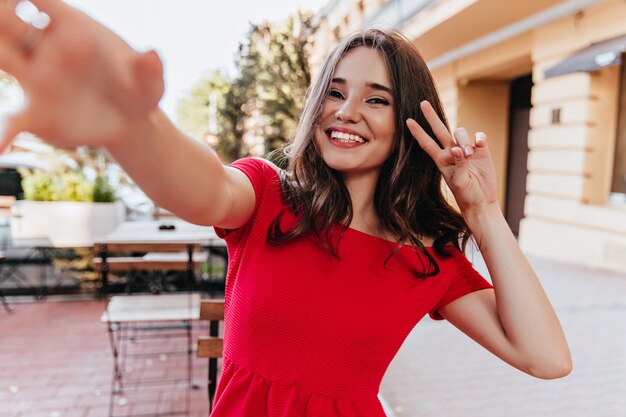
153, 261
211, 346
153, 257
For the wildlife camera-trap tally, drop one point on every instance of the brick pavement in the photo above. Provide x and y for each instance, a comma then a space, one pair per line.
56, 362
441, 372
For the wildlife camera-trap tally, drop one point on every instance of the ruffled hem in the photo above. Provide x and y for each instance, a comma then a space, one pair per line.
244, 393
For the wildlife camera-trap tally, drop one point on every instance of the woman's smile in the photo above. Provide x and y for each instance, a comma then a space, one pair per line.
345, 138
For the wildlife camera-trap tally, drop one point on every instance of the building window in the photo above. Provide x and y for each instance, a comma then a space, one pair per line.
618, 185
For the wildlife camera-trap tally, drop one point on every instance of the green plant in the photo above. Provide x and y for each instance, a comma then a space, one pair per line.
37, 185
103, 191
73, 186
60, 185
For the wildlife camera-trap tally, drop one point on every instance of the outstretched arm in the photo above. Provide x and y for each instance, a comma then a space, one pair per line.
515, 320
86, 86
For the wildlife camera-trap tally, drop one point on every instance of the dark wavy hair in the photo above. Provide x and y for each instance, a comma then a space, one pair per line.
408, 199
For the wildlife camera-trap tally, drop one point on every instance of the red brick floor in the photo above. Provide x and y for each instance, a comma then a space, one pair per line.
56, 361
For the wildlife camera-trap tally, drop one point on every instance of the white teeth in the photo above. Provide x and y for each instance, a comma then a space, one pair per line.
346, 137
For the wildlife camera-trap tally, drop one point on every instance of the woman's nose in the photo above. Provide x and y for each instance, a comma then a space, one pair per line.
348, 111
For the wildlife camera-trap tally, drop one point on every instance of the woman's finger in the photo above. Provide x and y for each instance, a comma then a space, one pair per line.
12, 27
439, 128
481, 139
53, 8
458, 176
463, 140
12, 59
148, 74
425, 141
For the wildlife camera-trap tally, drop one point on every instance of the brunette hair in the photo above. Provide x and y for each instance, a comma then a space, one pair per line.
408, 196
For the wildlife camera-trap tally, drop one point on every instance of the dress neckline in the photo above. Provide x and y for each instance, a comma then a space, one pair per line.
379, 239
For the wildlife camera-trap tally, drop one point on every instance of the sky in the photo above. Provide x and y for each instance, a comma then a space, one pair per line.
191, 36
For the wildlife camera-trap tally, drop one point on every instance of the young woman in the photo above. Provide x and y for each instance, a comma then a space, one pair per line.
332, 261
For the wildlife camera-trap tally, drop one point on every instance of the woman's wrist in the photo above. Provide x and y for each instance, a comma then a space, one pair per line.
478, 217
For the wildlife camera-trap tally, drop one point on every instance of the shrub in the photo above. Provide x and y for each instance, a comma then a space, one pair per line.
41, 185
103, 192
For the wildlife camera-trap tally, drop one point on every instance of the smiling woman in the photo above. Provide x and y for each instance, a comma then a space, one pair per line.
333, 260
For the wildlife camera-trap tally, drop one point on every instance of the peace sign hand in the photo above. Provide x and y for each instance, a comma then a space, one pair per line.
466, 165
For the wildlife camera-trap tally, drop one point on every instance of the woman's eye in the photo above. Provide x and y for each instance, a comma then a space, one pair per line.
378, 100
335, 93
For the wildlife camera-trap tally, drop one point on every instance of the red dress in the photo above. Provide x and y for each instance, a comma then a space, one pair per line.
309, 335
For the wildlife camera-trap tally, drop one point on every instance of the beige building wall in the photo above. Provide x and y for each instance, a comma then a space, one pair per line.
567, 212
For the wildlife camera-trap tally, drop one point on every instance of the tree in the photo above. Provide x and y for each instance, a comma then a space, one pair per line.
215, 106
265, 97
275, 55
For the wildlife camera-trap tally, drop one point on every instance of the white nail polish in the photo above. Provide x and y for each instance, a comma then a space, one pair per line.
468, 150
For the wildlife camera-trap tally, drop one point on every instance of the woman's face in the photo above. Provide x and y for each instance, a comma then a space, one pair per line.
357, 124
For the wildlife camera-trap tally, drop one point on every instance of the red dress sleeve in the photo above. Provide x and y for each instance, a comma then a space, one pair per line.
260, 173
463, 278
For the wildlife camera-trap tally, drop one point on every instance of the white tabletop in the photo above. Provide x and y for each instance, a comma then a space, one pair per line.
149, 232
145, 308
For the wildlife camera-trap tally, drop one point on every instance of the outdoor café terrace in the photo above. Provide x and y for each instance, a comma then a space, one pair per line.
106, 324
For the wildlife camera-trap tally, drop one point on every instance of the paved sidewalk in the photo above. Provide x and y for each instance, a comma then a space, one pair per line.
440, 372
56, 361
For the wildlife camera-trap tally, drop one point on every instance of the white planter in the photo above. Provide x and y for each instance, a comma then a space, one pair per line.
65, 223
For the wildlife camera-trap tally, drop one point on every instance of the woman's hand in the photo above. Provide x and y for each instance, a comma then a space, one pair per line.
83, 84
465, 164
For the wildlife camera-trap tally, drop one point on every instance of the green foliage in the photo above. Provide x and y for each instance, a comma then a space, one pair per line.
59, 185
38, 185
103, 192
264, 99
73, 186
277, 59
214, 106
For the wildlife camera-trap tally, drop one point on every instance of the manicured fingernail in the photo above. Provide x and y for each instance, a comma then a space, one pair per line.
480, 137
460, 134
468, 150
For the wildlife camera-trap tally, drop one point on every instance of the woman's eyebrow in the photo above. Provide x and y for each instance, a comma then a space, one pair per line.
373, 85
377, 86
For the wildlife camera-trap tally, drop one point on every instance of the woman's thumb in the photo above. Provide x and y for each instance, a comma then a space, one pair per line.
148, 74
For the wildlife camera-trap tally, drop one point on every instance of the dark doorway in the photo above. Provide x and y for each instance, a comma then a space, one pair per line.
517, 170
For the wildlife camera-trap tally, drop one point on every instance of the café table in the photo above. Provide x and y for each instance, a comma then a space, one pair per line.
163, 244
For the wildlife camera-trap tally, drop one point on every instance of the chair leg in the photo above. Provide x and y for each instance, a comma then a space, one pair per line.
213, 331
212, 381
4, 303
